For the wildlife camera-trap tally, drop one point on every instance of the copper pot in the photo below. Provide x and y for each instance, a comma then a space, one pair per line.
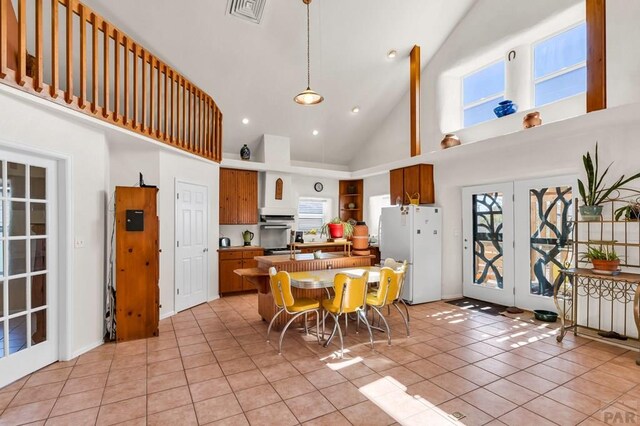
450, 139
606, 265
531, 120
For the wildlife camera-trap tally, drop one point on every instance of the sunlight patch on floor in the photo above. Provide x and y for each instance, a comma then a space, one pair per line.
391, 396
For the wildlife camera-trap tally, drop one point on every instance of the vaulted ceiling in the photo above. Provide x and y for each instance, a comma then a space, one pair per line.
255, 70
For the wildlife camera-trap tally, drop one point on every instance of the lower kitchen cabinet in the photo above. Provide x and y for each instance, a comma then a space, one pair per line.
232, 259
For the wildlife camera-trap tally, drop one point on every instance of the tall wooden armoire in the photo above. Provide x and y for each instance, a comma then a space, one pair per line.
137, 300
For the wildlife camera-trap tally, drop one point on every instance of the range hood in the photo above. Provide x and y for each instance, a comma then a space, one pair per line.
275, 150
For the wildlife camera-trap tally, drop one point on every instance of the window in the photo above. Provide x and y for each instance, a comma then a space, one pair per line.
313, 213
376, 203
481, 92
559, 65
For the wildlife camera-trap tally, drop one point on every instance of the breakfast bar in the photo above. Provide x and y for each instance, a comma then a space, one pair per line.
259, 276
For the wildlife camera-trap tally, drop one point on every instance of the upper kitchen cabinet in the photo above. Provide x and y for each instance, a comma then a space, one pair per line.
351, 199
412, 180
238, 197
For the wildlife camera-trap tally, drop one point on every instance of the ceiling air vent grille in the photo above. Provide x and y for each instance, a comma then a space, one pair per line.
249, 10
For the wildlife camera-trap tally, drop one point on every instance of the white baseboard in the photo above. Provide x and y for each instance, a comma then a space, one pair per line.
167, 315
85, 349
451, 296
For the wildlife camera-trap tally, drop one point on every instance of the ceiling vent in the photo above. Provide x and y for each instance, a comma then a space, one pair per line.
249, 10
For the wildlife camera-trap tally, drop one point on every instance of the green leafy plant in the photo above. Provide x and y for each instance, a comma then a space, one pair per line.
594, 253
630, 212
346, 226
595, 191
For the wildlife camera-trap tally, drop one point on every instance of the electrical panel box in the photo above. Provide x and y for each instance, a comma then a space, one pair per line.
135, 220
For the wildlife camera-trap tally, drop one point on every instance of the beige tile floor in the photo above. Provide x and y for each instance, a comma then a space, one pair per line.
211, 365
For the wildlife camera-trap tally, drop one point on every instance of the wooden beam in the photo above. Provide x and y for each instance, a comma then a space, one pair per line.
415, 100
596, 55
22, 42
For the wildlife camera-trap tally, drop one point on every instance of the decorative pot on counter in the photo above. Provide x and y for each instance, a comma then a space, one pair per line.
245, 152
360, 237
450, 139
504, 108
531, 120
336, 230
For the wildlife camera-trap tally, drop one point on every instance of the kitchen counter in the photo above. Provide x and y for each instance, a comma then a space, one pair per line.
239, 248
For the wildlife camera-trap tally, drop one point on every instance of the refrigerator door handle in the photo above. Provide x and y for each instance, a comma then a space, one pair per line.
379, 230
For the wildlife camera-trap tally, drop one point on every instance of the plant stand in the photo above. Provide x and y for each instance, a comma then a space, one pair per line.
579, 293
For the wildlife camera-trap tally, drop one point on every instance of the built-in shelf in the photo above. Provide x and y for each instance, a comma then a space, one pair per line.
351, 191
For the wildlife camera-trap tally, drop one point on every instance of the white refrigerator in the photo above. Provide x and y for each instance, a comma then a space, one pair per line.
414, 233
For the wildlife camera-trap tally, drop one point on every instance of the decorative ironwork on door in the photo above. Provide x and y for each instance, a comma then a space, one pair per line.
551, 216
488, 240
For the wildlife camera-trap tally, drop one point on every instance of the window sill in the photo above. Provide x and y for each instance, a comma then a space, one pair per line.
550, 113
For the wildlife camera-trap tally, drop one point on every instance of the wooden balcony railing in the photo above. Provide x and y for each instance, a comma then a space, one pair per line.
63, 51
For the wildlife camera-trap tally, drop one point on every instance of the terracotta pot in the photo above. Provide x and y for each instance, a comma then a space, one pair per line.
361, 230
606, 265
360, 243
531, 120
336, 230
449, 140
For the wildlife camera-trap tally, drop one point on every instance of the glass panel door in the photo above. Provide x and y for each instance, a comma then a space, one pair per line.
544, 215
27, 299
488, 248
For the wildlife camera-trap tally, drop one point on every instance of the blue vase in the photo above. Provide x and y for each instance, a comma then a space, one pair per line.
505, 107
245, 152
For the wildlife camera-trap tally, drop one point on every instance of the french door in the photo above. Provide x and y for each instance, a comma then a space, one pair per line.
28, 265
544, 213
516, 240
488, 243
192, 221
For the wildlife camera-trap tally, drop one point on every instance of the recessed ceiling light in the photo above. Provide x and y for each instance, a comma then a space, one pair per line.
245, 121
392, 54
355, 109
315, 133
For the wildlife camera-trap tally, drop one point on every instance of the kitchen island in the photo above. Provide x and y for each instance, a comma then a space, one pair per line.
259, 277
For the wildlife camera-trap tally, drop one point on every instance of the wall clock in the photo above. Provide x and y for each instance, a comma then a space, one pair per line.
318, 187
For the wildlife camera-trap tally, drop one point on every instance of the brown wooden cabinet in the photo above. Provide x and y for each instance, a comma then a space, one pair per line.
238, 197
137, 263
412, 180
229, 261
351, 194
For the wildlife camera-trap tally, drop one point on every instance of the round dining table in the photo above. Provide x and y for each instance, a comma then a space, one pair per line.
311, 280
323, 279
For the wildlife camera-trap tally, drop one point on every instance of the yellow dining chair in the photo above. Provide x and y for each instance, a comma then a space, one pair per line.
401, 268
280, 283
349, 298
385, 295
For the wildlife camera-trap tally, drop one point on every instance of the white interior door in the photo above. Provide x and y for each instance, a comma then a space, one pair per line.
488, 243
28, 265
544, 210
191, 245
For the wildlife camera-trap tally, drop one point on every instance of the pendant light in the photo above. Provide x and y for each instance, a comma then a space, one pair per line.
308, 96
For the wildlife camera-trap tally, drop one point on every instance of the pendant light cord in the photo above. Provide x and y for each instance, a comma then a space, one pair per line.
308, 54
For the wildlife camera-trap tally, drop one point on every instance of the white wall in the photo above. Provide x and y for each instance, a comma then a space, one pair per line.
491, 27
174, 166
33, 127
623, 43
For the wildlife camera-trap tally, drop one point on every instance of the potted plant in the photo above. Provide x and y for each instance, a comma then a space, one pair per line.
630, 212
336, 228
594, 193
603, 259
